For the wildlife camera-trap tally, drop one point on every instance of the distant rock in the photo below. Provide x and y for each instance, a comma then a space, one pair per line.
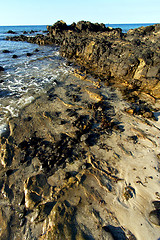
14, 56
6, 51
11, 32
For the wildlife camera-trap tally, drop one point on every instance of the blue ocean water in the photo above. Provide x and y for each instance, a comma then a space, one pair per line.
26, 77
126, 27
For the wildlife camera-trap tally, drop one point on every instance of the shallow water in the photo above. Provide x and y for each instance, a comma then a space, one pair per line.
25, 77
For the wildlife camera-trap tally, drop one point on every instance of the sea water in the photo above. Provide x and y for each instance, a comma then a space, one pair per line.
126, 27
26, 77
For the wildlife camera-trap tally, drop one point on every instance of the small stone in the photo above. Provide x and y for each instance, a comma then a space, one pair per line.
154, 217
129, 192
11, 32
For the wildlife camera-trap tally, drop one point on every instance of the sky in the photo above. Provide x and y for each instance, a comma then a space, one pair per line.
47, 12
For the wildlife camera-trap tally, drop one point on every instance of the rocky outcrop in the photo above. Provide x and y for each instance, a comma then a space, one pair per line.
11, 32
131, 59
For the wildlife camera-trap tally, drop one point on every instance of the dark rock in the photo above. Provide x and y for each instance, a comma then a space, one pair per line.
1, 69
9, 172
92, 139
6, 51
11, 32
116, 232
27, 119
29, 54
14, 56
23, 145
32, 32
59, 26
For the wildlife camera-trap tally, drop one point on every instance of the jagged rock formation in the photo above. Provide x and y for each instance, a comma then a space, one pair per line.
131, 59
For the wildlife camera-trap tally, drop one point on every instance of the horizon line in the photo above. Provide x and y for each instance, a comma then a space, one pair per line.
21, 25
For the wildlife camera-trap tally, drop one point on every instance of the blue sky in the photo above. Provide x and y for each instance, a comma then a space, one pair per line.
47, 12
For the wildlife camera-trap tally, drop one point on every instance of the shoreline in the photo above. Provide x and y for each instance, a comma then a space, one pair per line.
81, 162
118, 58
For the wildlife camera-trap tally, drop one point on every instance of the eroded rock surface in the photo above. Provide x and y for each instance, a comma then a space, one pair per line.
76, 165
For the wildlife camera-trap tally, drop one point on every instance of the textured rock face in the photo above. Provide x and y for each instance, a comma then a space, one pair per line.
108, 53
71, 168
36, 190
4, 232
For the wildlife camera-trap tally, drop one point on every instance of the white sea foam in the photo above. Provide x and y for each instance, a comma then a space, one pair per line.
3, 128
27, 77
